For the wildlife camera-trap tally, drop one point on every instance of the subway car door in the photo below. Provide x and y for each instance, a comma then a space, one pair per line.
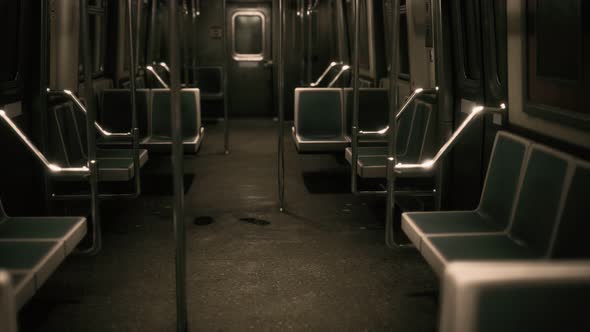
250, 69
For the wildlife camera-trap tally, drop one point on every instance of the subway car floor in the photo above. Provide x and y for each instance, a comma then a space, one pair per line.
323, 265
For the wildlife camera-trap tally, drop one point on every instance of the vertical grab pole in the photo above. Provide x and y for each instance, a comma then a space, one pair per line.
90, 130
133, 88
392, 139
355, 95
177, 166
225, 79
441, 82
309, 13
281, 87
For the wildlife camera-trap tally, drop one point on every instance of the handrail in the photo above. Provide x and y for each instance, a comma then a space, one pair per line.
342, 70
328, 69
402, 110
80, 106
52, 168
165, 66
450, 143
153, 71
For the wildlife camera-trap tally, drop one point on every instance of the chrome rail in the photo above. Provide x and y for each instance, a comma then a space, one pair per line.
54, 169
165, 66
450, 143
344, 69
80, 106
325, 73
402, 110
153, 72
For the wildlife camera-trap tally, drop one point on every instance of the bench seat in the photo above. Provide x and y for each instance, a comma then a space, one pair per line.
533, 200
496, 203
439, 251
31, 249
122, 153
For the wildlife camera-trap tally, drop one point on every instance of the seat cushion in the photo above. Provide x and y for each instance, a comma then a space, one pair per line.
417, 225
110, 169
122, 153
41, 258
439, 251
328, 144
70, 230
163, 144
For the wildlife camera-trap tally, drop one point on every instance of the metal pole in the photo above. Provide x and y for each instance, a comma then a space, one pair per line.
41, 114
309, 13
225, 79
301, 8
90, 130
177, 166
281, 87
355, 95
444, 103
133, 89
194, 43
392, 141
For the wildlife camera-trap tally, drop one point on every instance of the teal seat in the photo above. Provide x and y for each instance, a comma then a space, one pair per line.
412, 134
496, 203
571, 240
159, 137
530, 230
68, 147
115, 110
319, 120
115, 153
515, 296
31, 248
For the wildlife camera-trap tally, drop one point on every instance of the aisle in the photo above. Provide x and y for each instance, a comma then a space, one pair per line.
321, 266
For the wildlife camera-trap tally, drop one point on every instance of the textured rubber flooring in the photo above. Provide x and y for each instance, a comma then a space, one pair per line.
321, 266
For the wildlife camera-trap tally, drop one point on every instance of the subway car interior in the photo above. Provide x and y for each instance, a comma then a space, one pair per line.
270, 165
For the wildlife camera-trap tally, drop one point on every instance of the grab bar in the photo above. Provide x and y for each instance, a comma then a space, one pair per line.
103, 132
332, 65
342, 70
165, 66
402, 110
151, 70
54, 169
444, 150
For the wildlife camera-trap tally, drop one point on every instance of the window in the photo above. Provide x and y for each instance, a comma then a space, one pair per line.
558, 66
9, 28
248, 36
404, 51
97, 41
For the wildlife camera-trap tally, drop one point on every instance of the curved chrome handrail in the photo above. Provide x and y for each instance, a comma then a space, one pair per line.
80, 106
153, 72
328, 69
427, 165
402, 110
342, 70
52, 168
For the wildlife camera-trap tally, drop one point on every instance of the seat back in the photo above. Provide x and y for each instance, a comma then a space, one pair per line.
417, 132
209, 79
503, 176
571, 238
116, 110
98, 86
7, 304
3, 215
319, 113
539, 199
373, 109
67, 134
190, 108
